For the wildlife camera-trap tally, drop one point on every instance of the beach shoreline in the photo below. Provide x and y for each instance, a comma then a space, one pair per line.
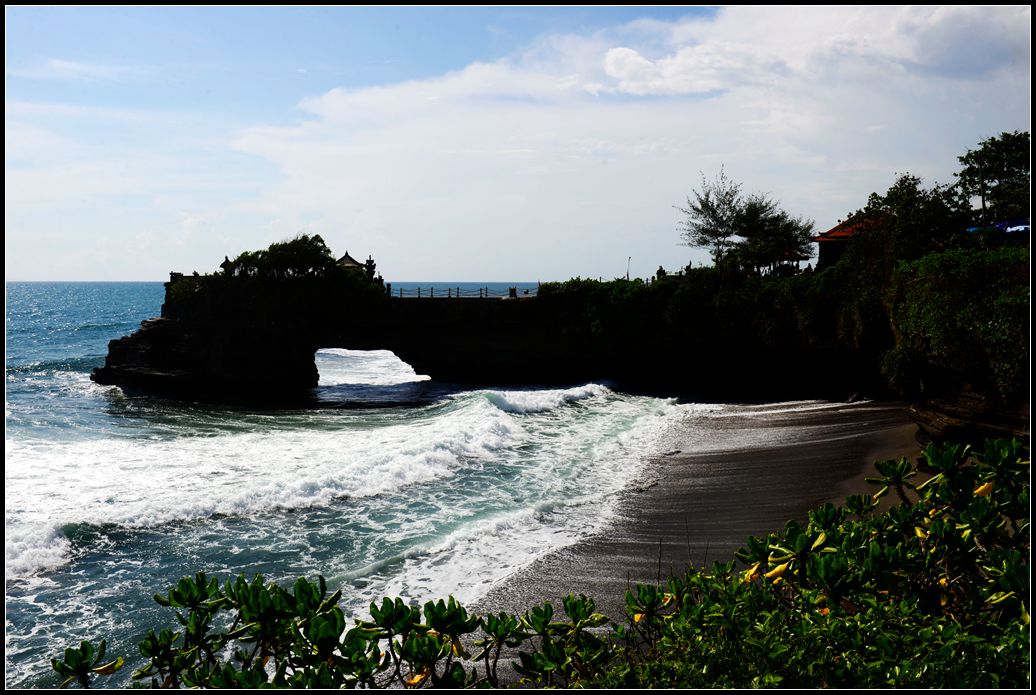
698, 502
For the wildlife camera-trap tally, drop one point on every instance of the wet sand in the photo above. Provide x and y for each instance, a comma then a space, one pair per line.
725, 478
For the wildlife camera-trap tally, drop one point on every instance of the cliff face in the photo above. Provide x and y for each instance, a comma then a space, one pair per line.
241, 340
231, 338
171, 357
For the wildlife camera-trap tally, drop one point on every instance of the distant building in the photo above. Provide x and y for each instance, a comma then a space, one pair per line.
833, 242
348, 261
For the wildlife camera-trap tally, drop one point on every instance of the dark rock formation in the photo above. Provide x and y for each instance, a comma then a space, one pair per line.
232, 338
175, 358
247, 339
240, 338
970, 417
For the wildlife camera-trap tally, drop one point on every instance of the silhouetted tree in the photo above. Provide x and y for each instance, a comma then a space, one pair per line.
912, 220
998, 173
751, 231
710, 218
770, 237
303, 256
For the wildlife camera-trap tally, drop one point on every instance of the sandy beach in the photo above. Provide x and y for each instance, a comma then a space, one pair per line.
723, 480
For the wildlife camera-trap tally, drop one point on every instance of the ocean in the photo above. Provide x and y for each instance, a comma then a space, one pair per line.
399, 486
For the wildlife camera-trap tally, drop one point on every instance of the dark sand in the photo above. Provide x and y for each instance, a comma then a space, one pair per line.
726, 478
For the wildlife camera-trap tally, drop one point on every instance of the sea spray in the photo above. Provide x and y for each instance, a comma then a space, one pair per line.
398, 485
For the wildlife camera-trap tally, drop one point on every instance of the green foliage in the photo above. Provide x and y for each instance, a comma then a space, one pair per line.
771, 238
907, 222
962, 316
710, 218
81, 664
894, 474
933, 592
998, 172
748, 232
303, 256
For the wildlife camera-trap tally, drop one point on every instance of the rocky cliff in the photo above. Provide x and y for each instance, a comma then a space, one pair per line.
227, 337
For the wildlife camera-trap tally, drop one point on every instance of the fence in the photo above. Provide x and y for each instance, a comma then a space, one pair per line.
461, 292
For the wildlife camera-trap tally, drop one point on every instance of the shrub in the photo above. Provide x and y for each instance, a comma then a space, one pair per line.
962, 316
934, 592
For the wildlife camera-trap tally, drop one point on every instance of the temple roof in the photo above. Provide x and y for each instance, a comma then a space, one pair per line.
348, 261
844, 230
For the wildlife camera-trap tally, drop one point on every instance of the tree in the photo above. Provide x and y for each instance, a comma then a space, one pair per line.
998, 173
912, 220
303, 256
751, 231
771, 237
710, 218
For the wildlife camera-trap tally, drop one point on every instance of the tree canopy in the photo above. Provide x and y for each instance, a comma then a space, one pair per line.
998, 173
915, 220
750, 231
770, 236
710, 218
303, 256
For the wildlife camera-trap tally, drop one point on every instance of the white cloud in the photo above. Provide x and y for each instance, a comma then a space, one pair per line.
25, 141
76, 70
517, 169
761, 45
562, 160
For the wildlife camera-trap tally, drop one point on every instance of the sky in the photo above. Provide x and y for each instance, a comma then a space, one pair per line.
458, 144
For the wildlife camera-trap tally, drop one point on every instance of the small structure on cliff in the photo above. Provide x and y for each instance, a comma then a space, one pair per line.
369, 267
833, 242
348, 261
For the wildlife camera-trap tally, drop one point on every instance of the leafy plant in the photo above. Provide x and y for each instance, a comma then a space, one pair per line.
83, 663
933, 592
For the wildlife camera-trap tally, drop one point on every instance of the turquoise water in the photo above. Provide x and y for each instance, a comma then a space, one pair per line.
418, 489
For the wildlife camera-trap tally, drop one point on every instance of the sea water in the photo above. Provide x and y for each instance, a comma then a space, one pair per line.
400, 486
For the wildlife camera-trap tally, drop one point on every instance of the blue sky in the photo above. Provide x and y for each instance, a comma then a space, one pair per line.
262, 61
471, 144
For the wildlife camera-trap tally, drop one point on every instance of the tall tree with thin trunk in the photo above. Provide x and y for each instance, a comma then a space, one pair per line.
711, 216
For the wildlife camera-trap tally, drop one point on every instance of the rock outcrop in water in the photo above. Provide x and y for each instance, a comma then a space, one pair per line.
250, 333
227, 337
240, 338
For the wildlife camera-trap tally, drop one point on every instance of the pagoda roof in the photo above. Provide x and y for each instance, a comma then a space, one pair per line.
348, 261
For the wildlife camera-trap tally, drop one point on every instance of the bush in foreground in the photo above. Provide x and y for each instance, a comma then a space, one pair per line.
933, 592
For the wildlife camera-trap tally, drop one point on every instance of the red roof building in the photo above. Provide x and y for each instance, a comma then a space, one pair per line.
833, 242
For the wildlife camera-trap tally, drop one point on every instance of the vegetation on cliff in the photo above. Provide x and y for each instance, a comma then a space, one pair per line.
997, 173
921, 304
302, 270
962, 320
750, 231
764, 329
934, 592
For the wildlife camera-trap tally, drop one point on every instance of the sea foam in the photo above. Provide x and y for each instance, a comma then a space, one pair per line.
146, 483
372, 367
429, 491
543, 400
